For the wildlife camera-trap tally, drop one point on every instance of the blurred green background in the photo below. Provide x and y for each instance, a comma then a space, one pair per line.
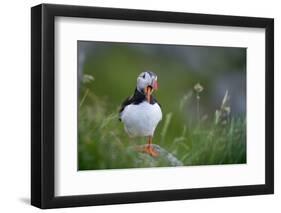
198, 127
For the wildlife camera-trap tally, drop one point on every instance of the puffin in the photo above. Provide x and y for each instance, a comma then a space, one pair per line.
141, 113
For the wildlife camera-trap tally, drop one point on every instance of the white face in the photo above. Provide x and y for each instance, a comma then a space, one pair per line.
146, 79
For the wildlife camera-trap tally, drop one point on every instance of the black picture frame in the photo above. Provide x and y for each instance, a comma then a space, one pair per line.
43, 105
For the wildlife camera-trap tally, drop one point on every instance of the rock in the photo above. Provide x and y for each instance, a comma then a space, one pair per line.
165, 158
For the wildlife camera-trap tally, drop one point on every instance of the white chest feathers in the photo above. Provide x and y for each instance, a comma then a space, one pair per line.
141, 119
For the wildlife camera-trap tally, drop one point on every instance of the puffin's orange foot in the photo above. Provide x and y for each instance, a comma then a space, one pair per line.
150, 150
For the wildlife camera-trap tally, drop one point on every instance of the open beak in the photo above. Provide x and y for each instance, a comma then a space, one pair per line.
149, 89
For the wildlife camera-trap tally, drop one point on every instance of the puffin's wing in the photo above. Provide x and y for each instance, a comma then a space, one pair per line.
125, 103
136, 98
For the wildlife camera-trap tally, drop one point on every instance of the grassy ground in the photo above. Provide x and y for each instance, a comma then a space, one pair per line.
216, 138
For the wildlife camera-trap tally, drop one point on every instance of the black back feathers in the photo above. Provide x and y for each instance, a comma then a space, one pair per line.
135, 99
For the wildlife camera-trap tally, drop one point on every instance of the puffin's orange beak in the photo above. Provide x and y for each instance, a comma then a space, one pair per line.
149, 89
148, 92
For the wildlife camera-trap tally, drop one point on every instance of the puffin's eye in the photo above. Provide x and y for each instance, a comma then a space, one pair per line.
143, 75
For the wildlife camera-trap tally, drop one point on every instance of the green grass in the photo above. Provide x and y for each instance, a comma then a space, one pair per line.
103, 143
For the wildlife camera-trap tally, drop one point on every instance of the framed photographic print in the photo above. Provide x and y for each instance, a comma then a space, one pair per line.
140, 106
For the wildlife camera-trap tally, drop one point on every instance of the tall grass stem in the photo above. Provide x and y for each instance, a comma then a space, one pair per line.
84, 97
166, 126
198, 109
